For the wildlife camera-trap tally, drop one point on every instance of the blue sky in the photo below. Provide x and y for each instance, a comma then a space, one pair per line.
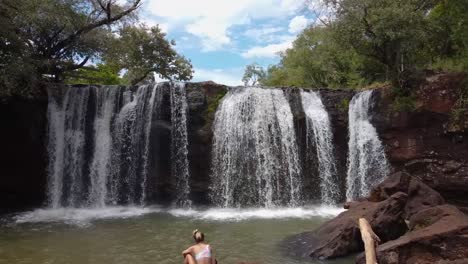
221, 37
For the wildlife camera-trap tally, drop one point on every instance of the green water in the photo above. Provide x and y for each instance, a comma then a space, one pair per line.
150, 236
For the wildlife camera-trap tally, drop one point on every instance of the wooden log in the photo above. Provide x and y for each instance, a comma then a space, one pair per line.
370, 240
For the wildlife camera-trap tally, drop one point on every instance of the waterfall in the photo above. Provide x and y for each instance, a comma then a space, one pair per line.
106, 103
320, 137
255, 156
99, 143
67, 124
132, 140
367, 163
179, 143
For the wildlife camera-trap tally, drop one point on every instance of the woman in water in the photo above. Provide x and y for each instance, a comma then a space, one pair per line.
200, 253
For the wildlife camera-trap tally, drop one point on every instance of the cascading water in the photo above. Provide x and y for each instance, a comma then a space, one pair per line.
99, 143
106, 104
67, 122
320, 137
255, 156
179, 143
131, 146
367, 163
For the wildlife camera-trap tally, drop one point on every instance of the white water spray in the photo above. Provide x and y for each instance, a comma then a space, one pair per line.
367, 163
179, 143
320, 136
255, 155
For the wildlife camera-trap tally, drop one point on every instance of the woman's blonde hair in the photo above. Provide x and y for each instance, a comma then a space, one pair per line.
198, 236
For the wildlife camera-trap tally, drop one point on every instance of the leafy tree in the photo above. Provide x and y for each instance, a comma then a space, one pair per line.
55, 40
143, 51
106, 74
53, 37
359, 42
316, 60
253, 75
390, 33
450, 41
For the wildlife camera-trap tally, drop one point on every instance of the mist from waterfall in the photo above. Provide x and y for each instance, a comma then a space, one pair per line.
255, 155
99, 143
367, 163
320, 137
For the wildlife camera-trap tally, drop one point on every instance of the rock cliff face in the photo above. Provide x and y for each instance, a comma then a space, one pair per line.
23, 157
202, 99
430, 142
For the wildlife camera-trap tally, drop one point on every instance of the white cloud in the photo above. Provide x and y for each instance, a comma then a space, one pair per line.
230, 77
213, 35
322, 12
297, 24
210, 20
264, 34
268, 51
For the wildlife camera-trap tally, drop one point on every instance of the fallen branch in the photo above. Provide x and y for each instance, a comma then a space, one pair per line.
370, 239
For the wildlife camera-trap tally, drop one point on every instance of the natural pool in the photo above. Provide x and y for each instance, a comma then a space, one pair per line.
153, 235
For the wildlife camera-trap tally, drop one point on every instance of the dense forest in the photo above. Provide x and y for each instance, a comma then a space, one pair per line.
358, 43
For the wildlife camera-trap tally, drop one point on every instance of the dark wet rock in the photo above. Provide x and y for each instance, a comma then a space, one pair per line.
430, 142
336, 102
340, 236
438, 235
23, 155
420, 196
202, 100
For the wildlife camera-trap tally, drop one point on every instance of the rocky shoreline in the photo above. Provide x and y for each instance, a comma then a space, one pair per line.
414, 222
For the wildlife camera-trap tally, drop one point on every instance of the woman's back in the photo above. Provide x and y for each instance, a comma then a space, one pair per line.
200, 253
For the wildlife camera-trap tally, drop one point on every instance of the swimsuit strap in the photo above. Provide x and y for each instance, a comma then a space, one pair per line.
204, 253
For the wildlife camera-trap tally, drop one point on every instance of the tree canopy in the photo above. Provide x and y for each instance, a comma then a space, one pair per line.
73, 40
367, 41
253, 74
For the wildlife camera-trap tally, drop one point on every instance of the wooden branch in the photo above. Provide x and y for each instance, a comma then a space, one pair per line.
370, 241
77, 66
105, 21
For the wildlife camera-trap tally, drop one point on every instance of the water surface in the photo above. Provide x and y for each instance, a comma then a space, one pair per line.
153, 235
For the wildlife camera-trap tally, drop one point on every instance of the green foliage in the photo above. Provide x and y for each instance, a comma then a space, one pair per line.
213, 103
142, 51
56, 40
102, 74
253, 75
404, 104
392, 34
449, 19
316, 60
343, 106
370, 42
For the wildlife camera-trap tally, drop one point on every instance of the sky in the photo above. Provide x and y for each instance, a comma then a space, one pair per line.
221, 37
